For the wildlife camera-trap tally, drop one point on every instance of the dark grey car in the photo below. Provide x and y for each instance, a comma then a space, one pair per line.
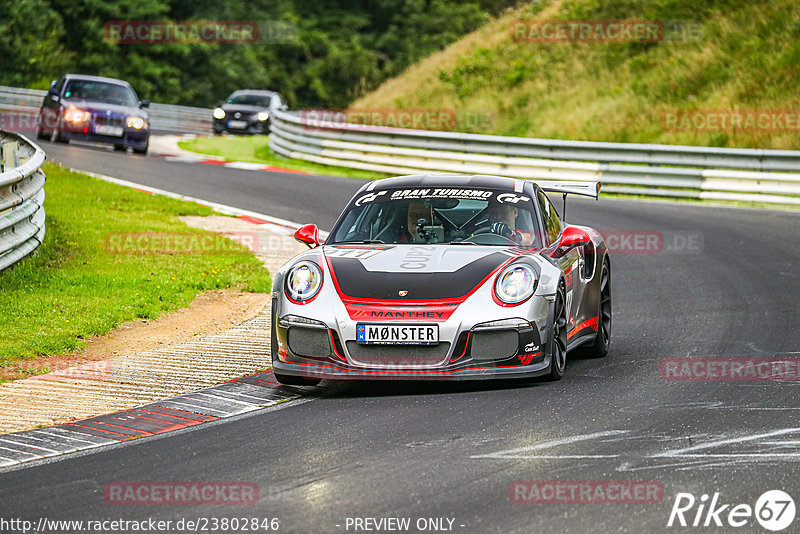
247, 111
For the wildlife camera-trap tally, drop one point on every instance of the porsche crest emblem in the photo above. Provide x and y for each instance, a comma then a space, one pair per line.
402, 292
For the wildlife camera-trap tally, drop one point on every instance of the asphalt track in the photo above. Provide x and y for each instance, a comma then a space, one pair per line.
452, 450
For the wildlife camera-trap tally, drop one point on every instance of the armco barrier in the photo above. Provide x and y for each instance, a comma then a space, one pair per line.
167, 117
750, 175
21, 198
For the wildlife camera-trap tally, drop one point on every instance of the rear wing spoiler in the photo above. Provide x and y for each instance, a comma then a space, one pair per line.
586, 189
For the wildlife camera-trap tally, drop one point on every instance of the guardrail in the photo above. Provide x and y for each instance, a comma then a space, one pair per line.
750, 175
21, 198
168, 117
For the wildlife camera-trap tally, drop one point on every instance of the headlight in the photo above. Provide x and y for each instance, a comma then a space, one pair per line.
303, 281
135, 122
515, 284
219, 113
73, 114
263, 115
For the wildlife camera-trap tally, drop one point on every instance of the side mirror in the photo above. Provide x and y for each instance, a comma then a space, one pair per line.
52, 91
572, 237
144, 104
284, 107
308, 235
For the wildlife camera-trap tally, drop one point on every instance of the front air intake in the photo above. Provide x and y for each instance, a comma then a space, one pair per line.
494, 344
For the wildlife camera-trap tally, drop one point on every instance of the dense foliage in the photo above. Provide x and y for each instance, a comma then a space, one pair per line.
340, 49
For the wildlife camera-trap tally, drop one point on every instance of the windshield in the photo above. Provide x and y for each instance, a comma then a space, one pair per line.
249, 99
439, 215
100, 92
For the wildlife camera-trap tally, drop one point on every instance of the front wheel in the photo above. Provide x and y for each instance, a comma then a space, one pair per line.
290, 380
558, 343
39, 131
142, 150
56, 136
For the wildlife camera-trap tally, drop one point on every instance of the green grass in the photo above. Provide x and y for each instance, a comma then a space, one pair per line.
75, 287
255, 148
747, 57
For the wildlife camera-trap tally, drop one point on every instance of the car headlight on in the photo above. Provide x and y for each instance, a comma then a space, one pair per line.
73, 114
515, 284
262, 115
219, 113
135, 122
303, 281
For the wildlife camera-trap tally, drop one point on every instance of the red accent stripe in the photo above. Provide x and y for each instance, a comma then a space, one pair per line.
466, 344
402, 373
593, 323
362, 312
333, 345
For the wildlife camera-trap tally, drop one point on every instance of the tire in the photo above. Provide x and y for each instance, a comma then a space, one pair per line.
120, 147
602, 341
55, 134
558, 344
39, 132
290, 380
142, 150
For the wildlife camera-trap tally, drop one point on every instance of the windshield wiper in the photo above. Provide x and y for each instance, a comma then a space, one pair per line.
360, 242
462, 243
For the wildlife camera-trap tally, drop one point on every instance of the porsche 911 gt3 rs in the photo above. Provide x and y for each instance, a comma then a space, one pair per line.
443, 277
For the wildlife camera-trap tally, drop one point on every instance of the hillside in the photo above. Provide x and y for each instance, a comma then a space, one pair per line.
728, 56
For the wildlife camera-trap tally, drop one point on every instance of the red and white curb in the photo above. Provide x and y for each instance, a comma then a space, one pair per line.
240, 165
241, 395
166, 147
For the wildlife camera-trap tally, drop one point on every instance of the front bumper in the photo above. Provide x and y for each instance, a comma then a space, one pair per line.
251, 126
130, 137
511, 349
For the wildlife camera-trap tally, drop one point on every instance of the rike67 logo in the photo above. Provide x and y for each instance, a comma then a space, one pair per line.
774, 510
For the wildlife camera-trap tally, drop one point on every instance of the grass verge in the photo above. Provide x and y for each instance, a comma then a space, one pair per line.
79, 285
255, 148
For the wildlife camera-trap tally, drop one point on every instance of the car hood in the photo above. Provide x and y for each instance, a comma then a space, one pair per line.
99, 108
422, 271
232, 108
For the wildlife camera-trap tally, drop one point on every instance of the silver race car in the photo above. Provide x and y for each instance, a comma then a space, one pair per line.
443, 277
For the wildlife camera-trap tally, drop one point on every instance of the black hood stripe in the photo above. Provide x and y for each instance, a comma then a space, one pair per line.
354, 280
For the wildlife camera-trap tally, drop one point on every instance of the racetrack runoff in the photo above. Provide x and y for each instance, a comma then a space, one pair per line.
720, 282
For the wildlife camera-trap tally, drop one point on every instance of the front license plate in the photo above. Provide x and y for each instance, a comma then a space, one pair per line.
237, 124
104, 129
389, 334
